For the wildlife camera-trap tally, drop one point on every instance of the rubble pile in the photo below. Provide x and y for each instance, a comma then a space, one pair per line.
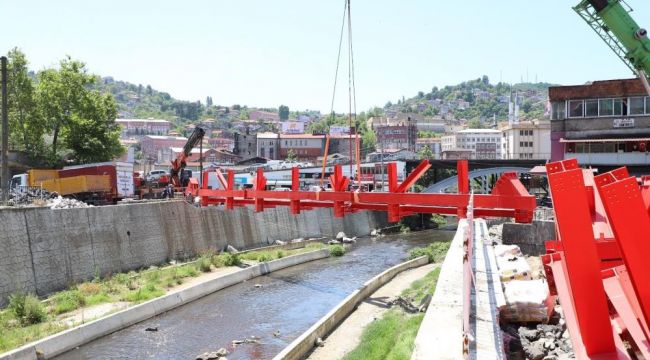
29, 196
39, 197
65, 203
539, 342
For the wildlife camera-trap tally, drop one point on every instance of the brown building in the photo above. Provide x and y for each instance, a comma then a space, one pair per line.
396, 135
602, 123
152, 143
306, 146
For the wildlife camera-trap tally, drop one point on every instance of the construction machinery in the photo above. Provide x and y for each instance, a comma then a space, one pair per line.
611, 20
179, 177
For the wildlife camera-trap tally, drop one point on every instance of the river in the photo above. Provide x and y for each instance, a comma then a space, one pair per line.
288, 302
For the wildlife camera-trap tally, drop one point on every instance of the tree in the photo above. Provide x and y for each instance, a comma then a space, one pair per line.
25, 121
93, 135
82, 117
208, 101
420, 94
291, 155
283, 111
368, 141
149, 90
475, 124
426, 153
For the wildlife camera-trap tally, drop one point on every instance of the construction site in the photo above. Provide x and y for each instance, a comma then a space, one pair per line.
431, 257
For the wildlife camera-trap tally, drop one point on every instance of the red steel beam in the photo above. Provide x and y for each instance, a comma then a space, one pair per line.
631, 226
573, 221
414, 176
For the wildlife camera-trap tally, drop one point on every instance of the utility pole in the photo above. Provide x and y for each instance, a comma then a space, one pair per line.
381, 146
5, 134
201, 163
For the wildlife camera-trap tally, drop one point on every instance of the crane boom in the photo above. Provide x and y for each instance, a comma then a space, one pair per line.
179, 163
614, 24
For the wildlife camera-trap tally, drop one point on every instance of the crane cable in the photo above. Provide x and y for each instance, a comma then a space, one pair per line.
352, 98
336, 76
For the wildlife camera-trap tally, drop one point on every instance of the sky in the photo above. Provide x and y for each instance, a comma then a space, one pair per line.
266, 53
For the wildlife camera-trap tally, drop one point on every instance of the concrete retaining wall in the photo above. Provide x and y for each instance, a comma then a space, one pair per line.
47, 250
529, 237
69, 339
305, 342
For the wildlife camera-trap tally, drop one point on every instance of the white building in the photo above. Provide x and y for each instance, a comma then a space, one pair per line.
527, 140
135, 127
483, 143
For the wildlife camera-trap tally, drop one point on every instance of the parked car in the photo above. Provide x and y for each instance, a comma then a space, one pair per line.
154, 175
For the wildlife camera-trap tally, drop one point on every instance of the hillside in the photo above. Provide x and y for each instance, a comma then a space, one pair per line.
476, 100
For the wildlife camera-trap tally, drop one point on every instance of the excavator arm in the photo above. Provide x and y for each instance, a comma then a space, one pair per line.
612, 21
179, 163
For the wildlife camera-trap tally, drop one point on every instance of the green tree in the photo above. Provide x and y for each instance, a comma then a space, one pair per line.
283, 111
368, 141
25, 121
93, 135
291, 155
243, 114
426, 153
475, 124
84, 118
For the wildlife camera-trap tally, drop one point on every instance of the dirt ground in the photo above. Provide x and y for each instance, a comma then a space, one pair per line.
347, 335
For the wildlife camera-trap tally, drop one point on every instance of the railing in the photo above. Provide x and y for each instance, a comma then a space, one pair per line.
468, 276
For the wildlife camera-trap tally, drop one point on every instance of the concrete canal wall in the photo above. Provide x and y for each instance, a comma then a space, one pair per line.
46, 250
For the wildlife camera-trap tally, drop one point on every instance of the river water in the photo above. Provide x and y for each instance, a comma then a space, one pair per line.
288, 302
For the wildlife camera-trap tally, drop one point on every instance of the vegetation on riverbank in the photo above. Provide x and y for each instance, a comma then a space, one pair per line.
27, 319
436, 251
392, 337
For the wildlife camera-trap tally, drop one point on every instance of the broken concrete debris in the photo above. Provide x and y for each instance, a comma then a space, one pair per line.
214, 355
38, 197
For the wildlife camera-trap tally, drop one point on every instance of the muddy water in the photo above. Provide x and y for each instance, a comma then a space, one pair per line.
287, 303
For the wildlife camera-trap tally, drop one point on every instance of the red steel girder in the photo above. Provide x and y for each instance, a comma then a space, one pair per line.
556, 268
414, 176
582, 269
397, 203
631, 225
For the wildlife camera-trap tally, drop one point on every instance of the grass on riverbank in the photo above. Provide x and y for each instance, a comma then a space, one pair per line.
392, 337
133, 287
436, 251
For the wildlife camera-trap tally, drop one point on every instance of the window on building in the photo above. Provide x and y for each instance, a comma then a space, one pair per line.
637, 106
521, 144
558, 110
530, 144
591, 107
620, 107
521, 133
576, 108
606, 107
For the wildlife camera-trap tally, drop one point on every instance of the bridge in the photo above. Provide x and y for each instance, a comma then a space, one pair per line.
485, 178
